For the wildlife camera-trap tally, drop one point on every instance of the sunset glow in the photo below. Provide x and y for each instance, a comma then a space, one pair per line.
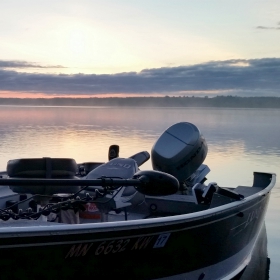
138, 48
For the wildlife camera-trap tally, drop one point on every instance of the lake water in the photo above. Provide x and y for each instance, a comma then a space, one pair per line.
240, 141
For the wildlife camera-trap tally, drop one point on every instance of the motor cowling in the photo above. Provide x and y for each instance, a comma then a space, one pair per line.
179, 151
123, 168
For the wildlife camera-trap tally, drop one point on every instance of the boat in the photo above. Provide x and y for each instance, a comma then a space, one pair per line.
65, 220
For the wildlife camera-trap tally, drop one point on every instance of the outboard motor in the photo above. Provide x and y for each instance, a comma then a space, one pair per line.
179, 151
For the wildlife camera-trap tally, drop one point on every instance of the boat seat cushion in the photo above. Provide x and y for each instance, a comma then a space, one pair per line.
49, 168
42, 168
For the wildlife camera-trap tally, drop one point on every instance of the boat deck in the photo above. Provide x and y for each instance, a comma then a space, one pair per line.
247, 191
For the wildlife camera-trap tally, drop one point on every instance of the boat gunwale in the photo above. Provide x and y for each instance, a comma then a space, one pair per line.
60, 229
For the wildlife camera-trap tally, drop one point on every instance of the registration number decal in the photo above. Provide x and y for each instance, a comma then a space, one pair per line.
118, 246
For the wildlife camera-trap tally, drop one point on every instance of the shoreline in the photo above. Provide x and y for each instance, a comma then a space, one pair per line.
152, 102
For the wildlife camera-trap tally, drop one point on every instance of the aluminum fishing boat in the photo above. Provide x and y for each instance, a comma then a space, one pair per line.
63, 220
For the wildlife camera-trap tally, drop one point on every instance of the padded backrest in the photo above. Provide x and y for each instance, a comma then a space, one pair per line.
49, 168
42, 168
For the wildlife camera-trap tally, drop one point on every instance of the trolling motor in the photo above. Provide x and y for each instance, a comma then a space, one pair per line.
145, 182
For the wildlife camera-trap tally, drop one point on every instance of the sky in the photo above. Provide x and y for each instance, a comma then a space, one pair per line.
107, 48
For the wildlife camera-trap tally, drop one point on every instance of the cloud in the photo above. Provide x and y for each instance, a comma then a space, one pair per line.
23, 64
268, 27
254, 77
265, 27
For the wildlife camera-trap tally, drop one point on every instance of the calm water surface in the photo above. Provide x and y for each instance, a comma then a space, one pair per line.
240, 141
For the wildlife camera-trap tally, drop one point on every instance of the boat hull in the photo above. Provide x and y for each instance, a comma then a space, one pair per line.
212, 244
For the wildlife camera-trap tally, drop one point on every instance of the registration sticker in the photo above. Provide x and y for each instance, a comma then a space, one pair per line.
161, 240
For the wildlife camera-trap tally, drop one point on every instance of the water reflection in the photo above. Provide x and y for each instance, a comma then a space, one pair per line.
257, 130
258, 268
240, 141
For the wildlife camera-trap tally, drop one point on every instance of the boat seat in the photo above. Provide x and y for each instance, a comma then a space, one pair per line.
49, 168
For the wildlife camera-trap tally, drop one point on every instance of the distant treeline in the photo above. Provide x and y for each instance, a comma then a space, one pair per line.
167, 101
